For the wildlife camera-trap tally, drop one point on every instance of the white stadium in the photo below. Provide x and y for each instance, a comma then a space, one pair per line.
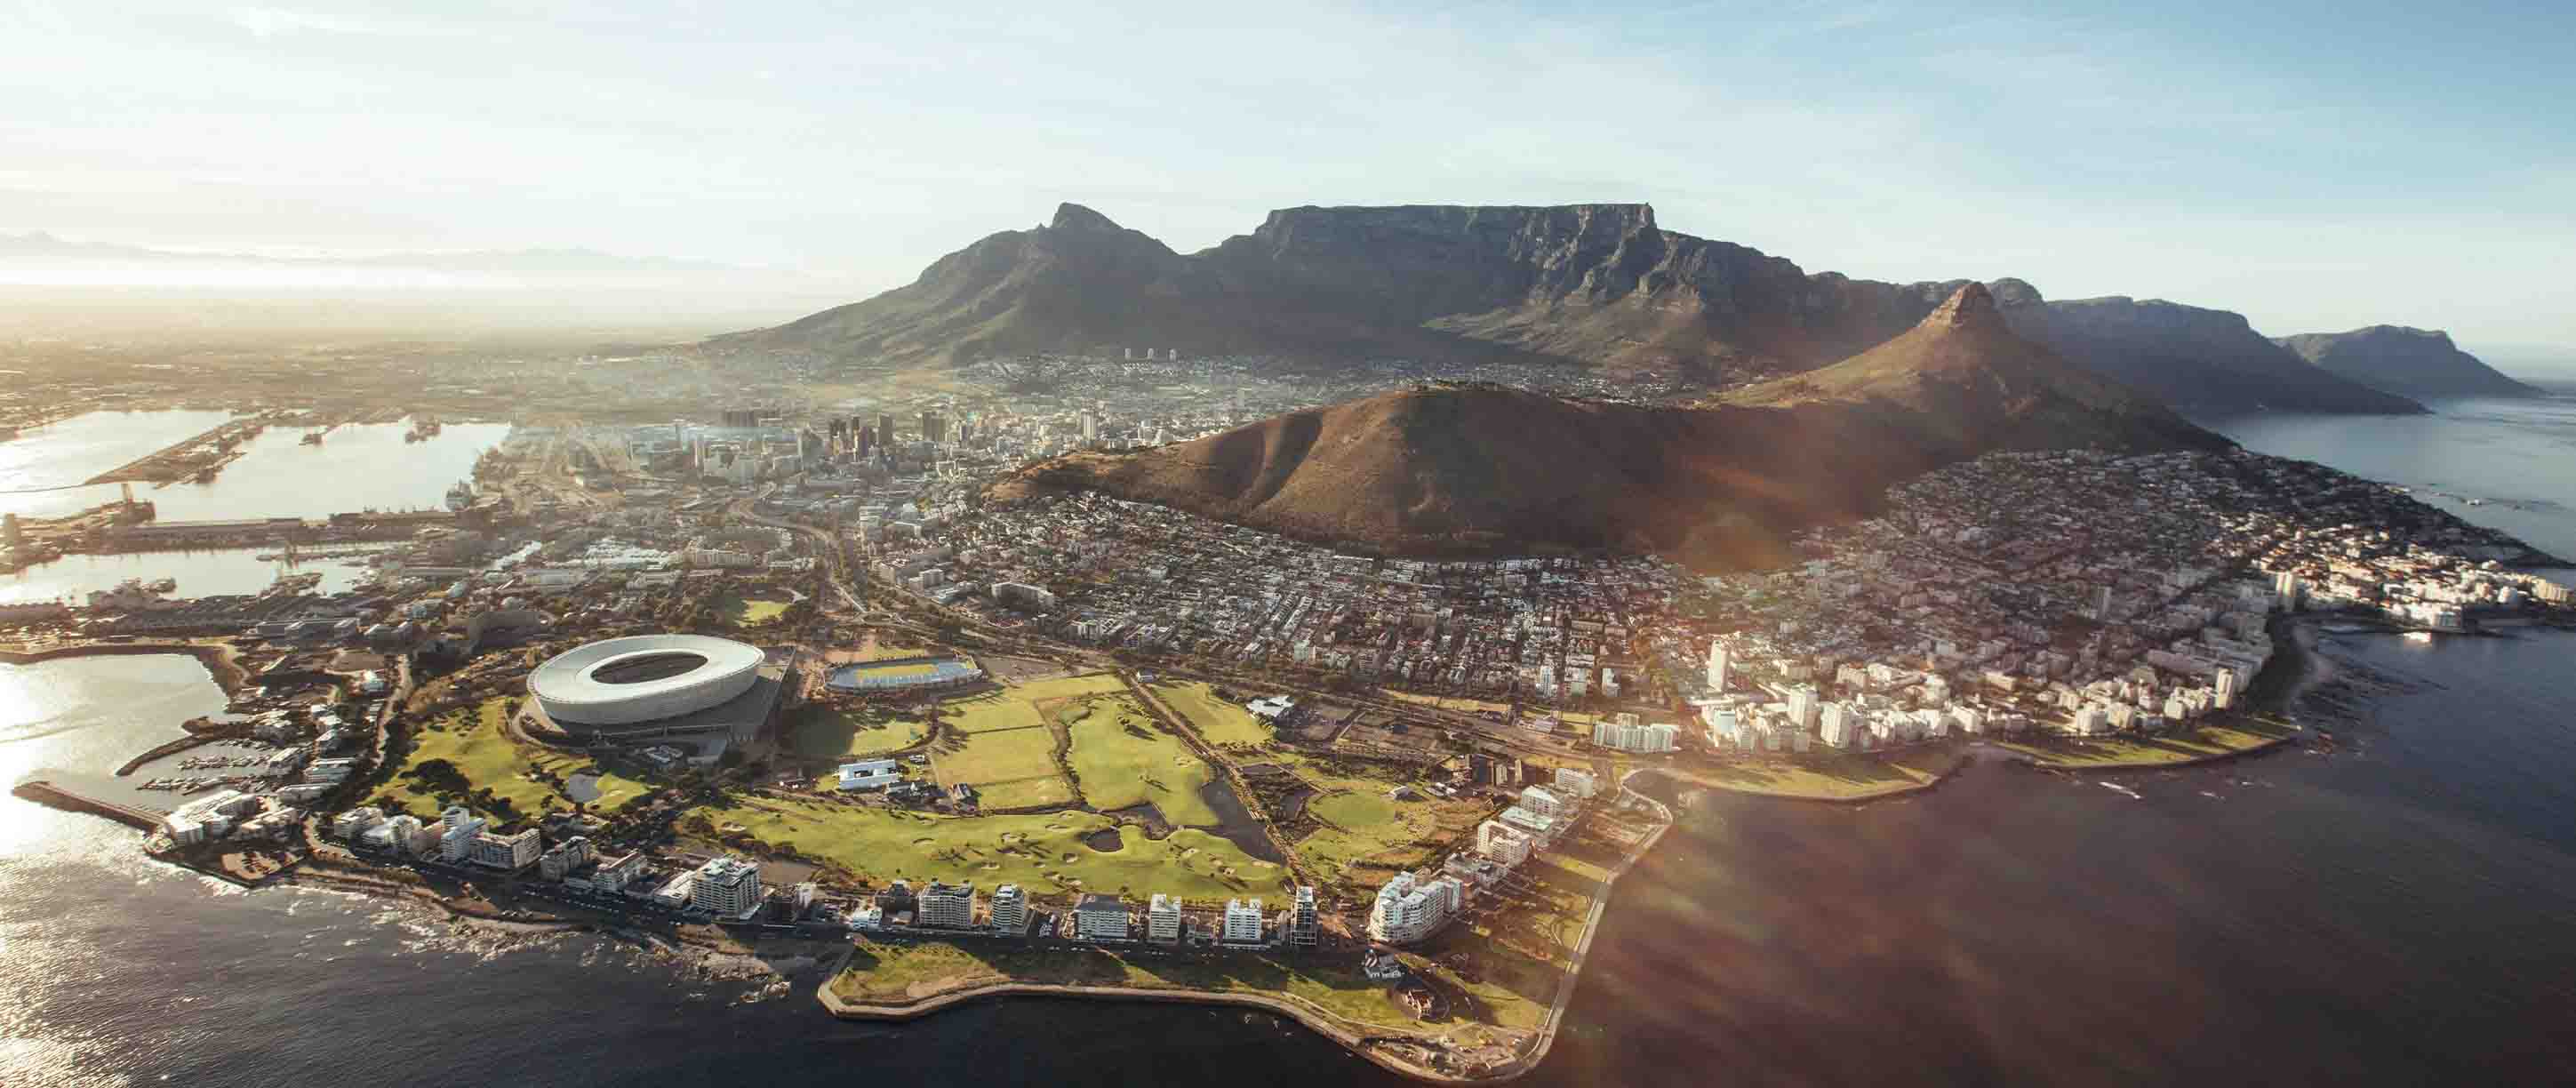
655, 685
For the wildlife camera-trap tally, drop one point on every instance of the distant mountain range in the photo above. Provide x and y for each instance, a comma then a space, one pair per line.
1476, 469
2414, 362
43, 246
1590, 284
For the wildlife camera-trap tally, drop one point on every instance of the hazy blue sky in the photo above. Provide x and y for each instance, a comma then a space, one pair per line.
2314, 165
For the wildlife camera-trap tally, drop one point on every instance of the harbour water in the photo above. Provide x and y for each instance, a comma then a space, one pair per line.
2387, 909
355, 467
211, 573
72, 450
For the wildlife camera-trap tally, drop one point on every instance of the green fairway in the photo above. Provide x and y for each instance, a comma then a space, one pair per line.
897, 973
1356, 810
1218, 721
1043, 853
1367, 835
996, 755
1025, 793
1022, 706
472, 741
830, 733
1122, 759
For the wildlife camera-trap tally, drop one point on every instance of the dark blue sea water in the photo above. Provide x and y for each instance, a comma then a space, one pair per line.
2400, 909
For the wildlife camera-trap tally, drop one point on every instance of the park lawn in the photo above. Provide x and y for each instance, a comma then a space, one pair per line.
473, 741
1042, 853
997, 755
897, 973
616, 791
2104, 752
1218, 721
1025, 793
1122, 757
1384, 834
825, 732
1832, 776
1354, 809
750, 611
989, 711
1066, 687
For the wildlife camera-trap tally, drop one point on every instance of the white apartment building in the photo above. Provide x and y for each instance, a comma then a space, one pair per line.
1100, 918
728, 887
1544, 801
1163, 918
1010, 910
1305, 926
458, 830
347, 826
1576, 784
1503, 844
1632, 737
566, 856
1409, 908
510, 853
947, 906
1537, 825
1242, 922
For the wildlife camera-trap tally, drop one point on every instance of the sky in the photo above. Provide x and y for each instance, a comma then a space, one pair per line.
2316, 166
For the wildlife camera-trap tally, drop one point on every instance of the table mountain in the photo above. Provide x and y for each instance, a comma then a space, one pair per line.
1487, 469
2412, 362
1591, 284
1588, 283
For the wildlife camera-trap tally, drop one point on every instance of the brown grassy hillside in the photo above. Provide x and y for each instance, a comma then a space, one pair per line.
1485, 469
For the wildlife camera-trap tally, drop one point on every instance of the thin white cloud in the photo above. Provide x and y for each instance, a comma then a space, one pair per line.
273, 22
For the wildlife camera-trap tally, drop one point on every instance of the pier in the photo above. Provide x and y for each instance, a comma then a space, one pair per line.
50, 795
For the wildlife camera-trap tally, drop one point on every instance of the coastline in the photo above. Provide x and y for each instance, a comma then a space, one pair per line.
220, 659
1369, 1044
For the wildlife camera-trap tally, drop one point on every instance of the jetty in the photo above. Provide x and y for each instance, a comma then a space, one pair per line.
46, 793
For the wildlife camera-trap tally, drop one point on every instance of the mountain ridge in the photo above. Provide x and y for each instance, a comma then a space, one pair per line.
1489, 469
2404, 360
1600, 285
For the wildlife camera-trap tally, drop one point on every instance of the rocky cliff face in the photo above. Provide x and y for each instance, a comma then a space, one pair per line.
2410, 362
1590, 284
1596, 284
2192, 358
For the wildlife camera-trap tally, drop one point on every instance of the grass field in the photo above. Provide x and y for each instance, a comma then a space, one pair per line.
1353, 809
899, 973
2106, 752
1369, 834
829, 733
1832, 776
1122, 759
1019, 707
472, 740
750, 611
1218, 721
996, 756
1042, 853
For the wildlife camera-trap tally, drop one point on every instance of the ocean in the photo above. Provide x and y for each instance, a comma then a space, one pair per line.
2391, 909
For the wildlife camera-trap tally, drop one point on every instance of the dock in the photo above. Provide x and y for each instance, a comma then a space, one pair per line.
50, 795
